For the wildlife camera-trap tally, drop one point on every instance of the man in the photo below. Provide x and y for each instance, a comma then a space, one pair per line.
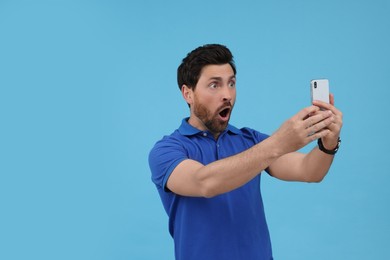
207, 172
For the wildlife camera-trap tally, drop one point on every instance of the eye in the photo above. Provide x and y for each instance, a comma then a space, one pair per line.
213, 85
232, 84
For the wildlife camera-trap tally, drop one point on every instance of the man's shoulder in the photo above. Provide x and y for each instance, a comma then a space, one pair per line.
174, 137
248, 133
176, 140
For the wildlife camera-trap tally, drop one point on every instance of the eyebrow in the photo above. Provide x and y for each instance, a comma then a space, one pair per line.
220, 78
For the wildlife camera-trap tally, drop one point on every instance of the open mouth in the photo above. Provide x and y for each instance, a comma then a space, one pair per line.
225, 112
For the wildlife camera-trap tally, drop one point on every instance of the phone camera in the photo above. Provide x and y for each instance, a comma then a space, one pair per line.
315, 84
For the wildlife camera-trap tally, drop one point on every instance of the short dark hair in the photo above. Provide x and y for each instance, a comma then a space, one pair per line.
188, 73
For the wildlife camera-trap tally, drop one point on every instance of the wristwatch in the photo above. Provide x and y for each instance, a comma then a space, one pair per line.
331, 152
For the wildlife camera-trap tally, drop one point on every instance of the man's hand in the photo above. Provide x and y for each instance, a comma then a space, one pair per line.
330, 140
307, 125
321, 120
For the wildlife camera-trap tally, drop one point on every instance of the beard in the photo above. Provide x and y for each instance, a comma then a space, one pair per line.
212, 120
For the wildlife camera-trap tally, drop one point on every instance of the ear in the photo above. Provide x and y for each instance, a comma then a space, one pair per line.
187, 93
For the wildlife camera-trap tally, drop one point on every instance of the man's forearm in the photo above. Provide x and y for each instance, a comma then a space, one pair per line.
316, 165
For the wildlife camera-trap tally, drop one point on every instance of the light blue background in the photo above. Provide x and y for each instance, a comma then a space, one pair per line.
87, 88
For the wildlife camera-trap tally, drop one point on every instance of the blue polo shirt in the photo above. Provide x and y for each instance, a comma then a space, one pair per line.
230, 226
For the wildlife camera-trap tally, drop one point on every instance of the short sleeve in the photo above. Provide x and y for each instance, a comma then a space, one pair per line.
254, 135
163, 159
260, 136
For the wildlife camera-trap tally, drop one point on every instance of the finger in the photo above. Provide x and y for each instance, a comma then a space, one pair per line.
338, 115
323, 124
322, 104
335, 127
317, 117
331, 99
318, 135
327, 106
304, 113
333, 132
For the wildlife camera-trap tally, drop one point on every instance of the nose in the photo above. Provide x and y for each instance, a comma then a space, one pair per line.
227, 94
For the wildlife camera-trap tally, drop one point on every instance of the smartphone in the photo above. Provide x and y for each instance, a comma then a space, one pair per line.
319, 90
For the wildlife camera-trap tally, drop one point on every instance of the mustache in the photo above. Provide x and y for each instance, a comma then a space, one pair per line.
225, 105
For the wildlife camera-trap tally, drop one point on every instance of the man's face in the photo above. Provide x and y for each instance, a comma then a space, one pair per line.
213, 98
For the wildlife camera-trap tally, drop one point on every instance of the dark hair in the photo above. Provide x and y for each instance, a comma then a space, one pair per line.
188, 73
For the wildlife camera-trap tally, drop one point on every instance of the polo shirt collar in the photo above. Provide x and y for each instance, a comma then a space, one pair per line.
187, 129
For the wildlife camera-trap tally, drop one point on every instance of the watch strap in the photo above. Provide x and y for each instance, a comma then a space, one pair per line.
331, 152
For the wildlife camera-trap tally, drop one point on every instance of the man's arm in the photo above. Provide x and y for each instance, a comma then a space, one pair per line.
191, 178
311, 167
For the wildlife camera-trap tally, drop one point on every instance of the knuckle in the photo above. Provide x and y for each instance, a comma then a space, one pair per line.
311, 121
308, 110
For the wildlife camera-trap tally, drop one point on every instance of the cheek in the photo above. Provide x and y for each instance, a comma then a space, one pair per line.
210, 100
234, 97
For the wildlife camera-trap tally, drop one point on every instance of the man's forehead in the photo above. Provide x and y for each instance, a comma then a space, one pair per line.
217, 71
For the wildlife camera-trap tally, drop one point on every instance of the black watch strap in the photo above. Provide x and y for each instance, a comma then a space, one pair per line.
331, 152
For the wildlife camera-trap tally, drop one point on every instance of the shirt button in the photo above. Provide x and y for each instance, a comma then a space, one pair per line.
204, 134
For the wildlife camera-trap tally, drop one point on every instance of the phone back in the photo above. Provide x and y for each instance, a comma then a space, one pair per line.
320, 90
